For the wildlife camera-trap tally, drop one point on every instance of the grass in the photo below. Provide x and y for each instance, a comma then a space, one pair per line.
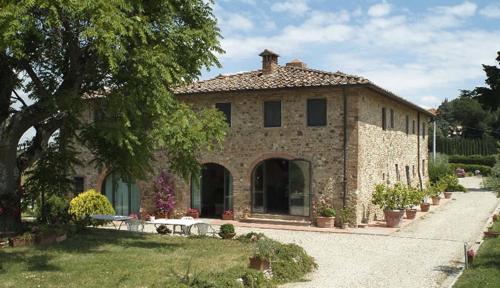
485, 271
108, 258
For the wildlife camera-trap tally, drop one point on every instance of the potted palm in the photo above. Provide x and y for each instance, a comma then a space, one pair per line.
392, 201
325, 213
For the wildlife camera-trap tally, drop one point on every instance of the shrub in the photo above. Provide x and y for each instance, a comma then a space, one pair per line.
87, 204
251, 237
232, 278
324, 206
226, 229
450, 182
493, 182
474, 159
291, 263
164, 193
485, 170
55, 210
439, 168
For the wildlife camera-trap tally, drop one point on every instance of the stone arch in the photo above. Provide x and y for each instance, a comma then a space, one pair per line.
262, 157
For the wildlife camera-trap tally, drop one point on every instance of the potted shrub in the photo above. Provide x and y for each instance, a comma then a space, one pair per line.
413, 197
451, 184
227, 231
164, 195
391, 200
434, 191
325, 213
263, 254
344, 215
228, 215
193, 212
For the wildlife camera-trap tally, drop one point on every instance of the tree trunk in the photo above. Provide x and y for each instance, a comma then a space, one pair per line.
10, 216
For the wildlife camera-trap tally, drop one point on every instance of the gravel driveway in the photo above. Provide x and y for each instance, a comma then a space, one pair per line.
423, 254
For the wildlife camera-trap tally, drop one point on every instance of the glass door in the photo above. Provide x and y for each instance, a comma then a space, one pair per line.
258, 189
228, 190
196, 192
300, 187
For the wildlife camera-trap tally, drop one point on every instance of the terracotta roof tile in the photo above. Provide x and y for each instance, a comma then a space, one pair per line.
283, 77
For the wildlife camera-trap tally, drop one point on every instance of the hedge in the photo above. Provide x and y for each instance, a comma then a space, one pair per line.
485, 170
461, 146
473, 159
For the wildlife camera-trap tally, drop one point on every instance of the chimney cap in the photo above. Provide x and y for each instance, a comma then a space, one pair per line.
296, 63
267, 52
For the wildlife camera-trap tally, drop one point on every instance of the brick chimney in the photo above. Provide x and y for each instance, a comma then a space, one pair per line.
296, 63
269, 61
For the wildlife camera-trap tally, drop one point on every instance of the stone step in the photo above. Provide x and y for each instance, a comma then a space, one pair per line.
272, 221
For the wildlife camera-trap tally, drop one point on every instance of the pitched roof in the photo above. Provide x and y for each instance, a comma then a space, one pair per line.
284, 77
289, 76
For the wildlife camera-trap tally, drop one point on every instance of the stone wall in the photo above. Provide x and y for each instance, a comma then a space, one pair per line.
380, 151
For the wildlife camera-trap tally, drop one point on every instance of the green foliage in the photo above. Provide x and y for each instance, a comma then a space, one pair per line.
450, 182
326, 212
55, 211
324, 206
231, 278
489, 97
265, 249
487, 160
345, 214
435, 189
227, 229
87, 204
390, 198
461, 146
493, 182
251, 237
439, 167
485, 170
291, 263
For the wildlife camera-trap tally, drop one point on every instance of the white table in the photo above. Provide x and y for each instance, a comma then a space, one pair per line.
112, 218
185, 224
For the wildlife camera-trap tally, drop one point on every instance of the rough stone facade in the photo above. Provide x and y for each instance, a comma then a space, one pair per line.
372, 153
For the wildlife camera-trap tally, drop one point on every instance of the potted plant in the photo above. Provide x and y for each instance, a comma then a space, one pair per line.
391, 200
227, 231
164, 195
25, 239
451, 184
263, 254
434, 191
413, 197
228, 215
325, 213
193, 212
344, 215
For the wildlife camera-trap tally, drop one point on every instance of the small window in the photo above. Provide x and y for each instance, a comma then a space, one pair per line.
413, 170
226, 109
316, 112
272, 114
413, 129
384, 119
423, 167
78, 183
392, 118
398, 177
423, 130
408, 179
407, 124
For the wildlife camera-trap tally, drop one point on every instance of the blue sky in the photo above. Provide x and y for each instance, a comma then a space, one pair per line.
424, 51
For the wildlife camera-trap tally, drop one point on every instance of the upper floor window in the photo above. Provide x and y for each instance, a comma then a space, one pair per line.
392, 118
272, 113
384, 118
407, 124
316, 112
226, 109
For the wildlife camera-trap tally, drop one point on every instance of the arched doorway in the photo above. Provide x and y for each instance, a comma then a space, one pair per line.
281, 186
122, 193
212, 191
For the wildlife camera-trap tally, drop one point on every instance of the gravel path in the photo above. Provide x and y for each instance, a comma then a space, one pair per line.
423, 254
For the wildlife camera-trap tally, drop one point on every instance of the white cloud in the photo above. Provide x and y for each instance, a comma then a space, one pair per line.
491, 11
236, 22
465, 9
293, 7
380, 9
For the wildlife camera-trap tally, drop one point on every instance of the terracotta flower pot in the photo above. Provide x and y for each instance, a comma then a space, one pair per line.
435, 200
393, 217
447, 195
424, 207
227, 217
258, 264
411, 213
325, 222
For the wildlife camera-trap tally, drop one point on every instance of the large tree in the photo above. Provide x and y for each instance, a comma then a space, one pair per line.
58, 57
489, 97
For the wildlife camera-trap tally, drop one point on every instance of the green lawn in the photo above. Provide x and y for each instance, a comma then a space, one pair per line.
108, 258
485, 271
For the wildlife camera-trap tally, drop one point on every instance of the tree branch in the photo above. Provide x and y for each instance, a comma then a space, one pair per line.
17, 97
38, 83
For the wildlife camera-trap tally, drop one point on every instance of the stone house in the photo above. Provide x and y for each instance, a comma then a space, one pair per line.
294, 134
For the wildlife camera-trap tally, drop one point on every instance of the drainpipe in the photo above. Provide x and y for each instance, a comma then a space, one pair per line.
418, 152
344, 176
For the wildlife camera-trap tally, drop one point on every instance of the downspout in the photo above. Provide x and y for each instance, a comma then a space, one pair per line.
418, 152
344, 176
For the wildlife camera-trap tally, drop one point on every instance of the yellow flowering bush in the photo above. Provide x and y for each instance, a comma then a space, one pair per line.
87, 204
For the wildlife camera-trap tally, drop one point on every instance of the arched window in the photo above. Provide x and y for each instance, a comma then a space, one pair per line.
122, 193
